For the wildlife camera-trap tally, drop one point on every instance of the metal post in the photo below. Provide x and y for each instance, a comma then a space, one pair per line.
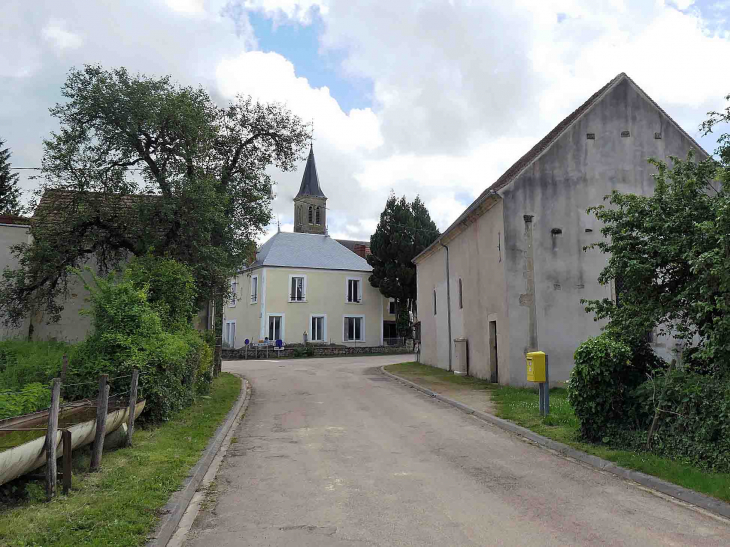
67, 454
132, 406
102, 406
541, 396
51, 470
547, 387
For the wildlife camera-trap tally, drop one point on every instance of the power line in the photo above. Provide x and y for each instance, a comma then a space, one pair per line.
83, 168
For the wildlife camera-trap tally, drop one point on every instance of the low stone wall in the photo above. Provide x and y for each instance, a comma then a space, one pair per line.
240, 353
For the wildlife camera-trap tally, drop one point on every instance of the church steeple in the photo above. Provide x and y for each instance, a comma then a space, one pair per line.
310, 204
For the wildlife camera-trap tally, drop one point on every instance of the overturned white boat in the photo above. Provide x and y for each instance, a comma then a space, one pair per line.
78, 418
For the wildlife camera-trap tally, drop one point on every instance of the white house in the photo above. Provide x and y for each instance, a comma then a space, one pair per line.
305, 284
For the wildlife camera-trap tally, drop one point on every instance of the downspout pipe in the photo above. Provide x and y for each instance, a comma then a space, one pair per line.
448, 301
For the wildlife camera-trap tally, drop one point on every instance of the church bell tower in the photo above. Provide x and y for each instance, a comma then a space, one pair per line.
310, 204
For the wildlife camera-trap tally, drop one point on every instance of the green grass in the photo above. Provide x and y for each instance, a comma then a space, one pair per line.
521, 406
23, 362
120, 504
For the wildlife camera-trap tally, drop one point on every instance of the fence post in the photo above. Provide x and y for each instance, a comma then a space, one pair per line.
102, 406
64, 367
51, 470
132, 406
218, 355
66, 437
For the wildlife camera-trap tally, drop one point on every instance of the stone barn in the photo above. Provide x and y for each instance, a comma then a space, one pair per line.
509, 274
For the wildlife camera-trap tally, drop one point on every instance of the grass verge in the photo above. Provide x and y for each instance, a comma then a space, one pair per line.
521, 406
119, 505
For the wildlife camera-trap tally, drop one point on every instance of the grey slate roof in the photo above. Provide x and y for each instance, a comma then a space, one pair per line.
298, 250
310, 180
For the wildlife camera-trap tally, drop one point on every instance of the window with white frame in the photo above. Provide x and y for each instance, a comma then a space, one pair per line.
254, 289
276, 327
354, 289
234, 296
229, 334
297, 288
318, 328
354, 328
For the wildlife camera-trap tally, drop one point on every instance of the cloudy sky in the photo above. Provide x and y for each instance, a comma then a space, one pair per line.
429, 97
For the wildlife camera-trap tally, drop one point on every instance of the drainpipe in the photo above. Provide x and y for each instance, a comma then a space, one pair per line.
448, 301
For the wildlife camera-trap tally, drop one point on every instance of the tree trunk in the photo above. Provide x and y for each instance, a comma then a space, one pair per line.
658, 410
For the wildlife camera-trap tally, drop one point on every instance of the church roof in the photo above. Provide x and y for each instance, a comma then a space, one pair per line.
299, 250
310, 180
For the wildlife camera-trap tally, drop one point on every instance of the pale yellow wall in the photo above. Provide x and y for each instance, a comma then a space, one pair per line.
387, 316
245, 313
11, 235
325, 294
474, 257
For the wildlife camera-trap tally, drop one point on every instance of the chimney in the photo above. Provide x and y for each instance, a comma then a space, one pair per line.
362, 250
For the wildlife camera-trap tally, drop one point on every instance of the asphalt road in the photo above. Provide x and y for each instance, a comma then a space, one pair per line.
331, 453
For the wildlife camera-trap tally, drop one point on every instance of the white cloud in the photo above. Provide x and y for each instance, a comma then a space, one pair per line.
191, 7
270, 77
298, 10
460, 89
57, 33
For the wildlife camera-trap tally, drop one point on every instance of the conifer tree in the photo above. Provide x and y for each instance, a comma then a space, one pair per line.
9, 191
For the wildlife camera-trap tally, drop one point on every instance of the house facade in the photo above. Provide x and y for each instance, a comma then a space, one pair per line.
306, 285
509, 274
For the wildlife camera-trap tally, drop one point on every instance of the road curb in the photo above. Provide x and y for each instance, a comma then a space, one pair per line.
175, 508
684, 494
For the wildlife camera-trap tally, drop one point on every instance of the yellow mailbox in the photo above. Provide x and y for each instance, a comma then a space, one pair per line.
536, 366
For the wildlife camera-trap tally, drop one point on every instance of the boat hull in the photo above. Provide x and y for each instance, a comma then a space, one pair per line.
16, 462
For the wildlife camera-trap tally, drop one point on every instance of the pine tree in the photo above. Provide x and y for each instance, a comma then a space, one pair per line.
9, 191
404, 231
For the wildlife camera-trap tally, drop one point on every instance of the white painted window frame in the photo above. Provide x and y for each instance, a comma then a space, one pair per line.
254, 295
362, 327
225, 331
304, 288
283, 324
324, 326
359, 289
234, 289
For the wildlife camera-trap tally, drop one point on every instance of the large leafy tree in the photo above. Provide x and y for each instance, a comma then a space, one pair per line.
9, 191
142, 166
404, 231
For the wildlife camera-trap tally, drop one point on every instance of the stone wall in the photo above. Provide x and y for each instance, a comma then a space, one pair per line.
240, 353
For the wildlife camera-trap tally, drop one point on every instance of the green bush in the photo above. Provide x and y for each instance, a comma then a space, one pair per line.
170, 288
695, 419
128, 333
23, 362
603, 383
31, 398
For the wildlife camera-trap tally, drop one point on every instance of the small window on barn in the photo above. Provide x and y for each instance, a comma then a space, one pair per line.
434, 301
461, 296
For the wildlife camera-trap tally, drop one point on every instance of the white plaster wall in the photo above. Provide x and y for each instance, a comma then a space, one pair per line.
11, 235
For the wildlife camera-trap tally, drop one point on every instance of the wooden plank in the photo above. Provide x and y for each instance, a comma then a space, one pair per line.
67, 454
51, 439
102, 407
132, 405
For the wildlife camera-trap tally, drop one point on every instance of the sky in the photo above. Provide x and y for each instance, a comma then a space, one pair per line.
421, 97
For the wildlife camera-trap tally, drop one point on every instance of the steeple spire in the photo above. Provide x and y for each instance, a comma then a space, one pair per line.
310, 204
310, 180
